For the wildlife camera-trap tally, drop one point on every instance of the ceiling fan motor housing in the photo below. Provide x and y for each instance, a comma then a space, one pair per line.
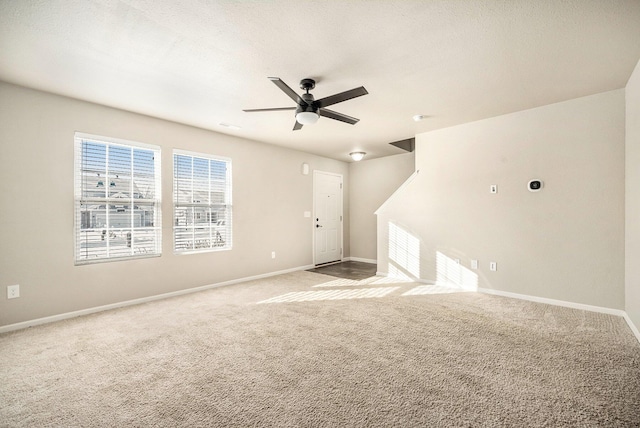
307, 84
310, 104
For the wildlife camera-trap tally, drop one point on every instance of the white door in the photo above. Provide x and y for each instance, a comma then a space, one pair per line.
327, 217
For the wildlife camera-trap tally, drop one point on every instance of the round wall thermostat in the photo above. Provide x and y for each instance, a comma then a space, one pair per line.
535, 185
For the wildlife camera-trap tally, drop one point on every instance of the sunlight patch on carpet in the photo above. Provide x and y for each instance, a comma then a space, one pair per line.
374, 280
306, 296
421, 290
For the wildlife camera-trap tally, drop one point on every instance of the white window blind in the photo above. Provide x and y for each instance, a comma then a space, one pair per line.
117, 199
201, 202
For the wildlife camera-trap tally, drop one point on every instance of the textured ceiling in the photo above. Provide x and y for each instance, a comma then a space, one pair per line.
203, 62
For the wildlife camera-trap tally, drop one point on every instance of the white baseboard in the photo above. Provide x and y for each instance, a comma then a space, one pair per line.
632, 326
591, 308
360, 259
610, 311
603, 310
67, 315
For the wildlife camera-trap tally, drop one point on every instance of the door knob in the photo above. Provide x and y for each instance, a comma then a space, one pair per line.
317, 225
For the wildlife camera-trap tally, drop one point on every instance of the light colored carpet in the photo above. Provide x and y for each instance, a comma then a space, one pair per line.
324, 352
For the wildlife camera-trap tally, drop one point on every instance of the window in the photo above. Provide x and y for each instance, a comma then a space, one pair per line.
201, 202
117, 199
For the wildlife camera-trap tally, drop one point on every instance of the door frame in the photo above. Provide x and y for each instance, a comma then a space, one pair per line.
313, 214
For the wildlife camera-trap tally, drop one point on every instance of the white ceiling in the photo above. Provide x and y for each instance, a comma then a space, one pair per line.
202, 62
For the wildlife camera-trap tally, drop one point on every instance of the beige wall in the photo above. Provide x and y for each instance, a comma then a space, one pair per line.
565, 242
372, 182
632, 230
270, 196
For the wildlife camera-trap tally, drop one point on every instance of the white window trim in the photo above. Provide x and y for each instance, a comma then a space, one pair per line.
78, 138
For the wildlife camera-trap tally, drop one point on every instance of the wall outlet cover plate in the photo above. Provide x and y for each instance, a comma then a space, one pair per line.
13, 291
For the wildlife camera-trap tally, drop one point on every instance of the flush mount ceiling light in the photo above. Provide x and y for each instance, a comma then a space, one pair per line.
357, 156
419, 117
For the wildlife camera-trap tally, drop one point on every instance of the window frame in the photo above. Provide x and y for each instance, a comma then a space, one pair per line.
228, 205
80, 199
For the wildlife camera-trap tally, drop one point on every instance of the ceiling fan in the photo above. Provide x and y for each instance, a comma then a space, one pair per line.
308, 110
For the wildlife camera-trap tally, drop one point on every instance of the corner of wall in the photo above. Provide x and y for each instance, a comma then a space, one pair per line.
632, 200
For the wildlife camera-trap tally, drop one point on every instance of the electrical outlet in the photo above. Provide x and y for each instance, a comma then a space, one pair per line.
13, 291
273, 254
474, 264
493, 266
493, 188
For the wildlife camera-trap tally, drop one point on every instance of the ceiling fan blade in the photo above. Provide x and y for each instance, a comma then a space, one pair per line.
338, 116
297, 126
287, 90
342, 96
269, 109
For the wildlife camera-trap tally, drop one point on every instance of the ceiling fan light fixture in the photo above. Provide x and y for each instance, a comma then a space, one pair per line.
307, 117
357, 156
308, 109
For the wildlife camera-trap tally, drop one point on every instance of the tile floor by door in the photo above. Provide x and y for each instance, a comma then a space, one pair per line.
348, 270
